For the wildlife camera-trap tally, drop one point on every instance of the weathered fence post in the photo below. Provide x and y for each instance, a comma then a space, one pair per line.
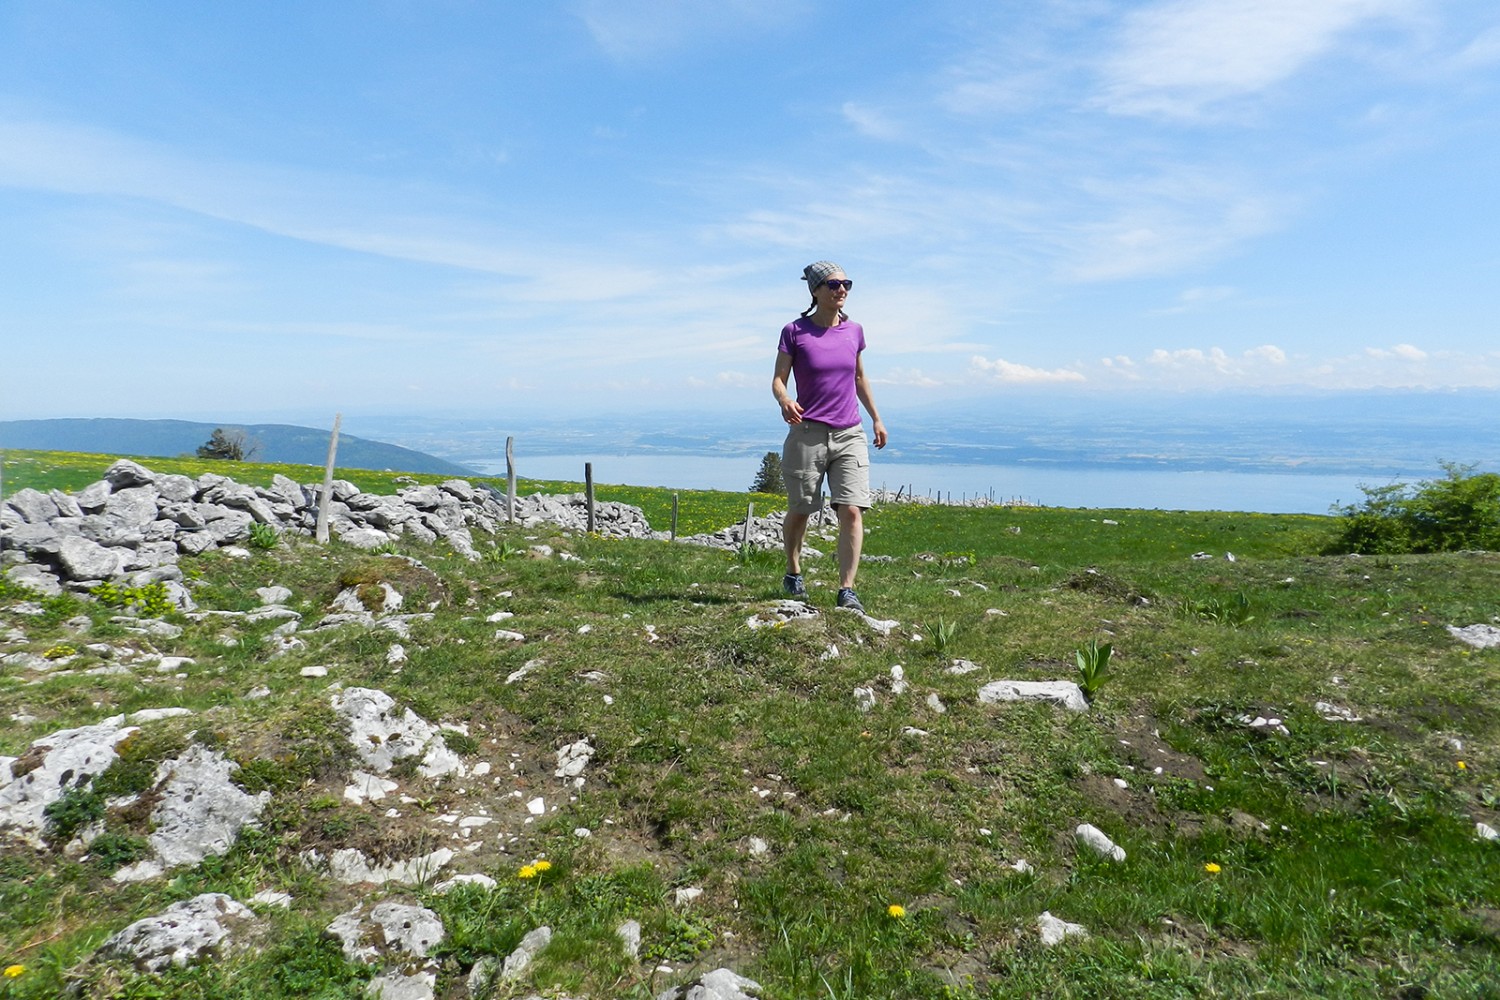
588, 491
510, 479
745, 535
674, 517
333, 448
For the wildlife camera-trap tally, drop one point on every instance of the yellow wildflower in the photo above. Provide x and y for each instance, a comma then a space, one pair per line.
528, 872
1462, 766
896, 910
12, 971
541, 865
1212, 868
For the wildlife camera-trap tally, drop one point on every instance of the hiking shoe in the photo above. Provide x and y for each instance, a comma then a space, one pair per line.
792, 584
849, 599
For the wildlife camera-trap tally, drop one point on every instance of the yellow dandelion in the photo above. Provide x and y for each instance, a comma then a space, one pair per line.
1462, 766
528, 872
542, 865
1212, 868
896, 910
12, 971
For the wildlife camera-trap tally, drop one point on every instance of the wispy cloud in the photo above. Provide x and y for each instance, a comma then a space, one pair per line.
1180, 58
1000, 370
632, 31
1193, 299
1401, 352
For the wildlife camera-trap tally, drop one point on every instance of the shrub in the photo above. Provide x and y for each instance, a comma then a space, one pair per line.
1460, 511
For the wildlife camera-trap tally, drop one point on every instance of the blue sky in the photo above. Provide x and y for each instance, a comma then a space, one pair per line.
245, 210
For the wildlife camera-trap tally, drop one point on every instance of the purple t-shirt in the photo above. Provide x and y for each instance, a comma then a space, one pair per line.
823, 362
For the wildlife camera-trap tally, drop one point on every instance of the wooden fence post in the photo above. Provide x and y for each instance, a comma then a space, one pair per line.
588, 491
745, 535
510, 479
674, 517
333, 448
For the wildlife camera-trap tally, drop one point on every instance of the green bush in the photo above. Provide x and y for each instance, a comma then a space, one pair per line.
1460, 511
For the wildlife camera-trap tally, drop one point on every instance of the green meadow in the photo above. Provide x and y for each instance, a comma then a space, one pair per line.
849, 850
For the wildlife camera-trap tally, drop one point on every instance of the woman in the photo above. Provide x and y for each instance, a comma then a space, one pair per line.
822, 351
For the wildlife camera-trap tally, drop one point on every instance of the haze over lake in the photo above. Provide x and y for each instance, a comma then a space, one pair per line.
1281, 454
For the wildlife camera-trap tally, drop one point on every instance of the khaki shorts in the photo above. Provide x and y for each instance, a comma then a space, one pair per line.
814, 450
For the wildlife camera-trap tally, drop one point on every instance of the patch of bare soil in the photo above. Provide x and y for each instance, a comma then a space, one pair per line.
1140, 745
1138, 806
1094, 582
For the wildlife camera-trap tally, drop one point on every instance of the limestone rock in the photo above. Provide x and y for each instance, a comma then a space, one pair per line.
1053, 931
1064, 694
1097, 840
720, 984
182, 933
52, 767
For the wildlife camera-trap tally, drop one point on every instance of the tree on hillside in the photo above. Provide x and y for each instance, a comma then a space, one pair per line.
768, 479
228, 446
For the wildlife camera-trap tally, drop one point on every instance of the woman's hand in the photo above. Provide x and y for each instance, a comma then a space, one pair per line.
791, 412
879, 433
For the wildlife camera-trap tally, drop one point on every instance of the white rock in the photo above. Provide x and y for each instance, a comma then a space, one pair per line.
184, 932
350, 866
536, 806
629, 934
864, 698
507, 635
1336, 713
686, 895
1093, 837
1064, 694
367, 787
960, 667
573, 759
936, 704
273, 595
1478, 636
474, 878
1054, 931
517, 961
1486, 832
314, 671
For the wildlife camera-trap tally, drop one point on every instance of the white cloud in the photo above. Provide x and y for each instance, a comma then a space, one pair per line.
872, 123
1402, 352
1000, 370
1267, 352
637, 30
1176, 58
1193, 299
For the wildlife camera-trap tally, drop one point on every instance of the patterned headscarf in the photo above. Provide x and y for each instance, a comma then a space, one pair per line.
816, 274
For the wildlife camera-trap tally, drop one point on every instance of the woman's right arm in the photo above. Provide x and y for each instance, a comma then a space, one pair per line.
790, 411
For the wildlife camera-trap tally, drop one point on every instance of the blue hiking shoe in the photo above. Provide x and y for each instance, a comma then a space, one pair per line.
849, 599
792, 584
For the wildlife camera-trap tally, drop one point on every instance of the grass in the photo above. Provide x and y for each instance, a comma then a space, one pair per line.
1345, 858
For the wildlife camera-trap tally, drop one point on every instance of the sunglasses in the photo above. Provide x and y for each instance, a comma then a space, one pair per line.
834, 284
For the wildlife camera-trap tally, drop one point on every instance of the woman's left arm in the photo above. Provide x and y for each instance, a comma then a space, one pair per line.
862, 390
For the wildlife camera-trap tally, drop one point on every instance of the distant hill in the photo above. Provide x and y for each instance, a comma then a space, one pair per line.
170, 438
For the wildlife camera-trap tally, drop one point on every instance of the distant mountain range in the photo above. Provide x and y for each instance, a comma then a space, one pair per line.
171, 438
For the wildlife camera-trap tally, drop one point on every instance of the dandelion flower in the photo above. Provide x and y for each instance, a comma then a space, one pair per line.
1462, 766
542, 865
896, 910
1212, 868
528, 872
12, 971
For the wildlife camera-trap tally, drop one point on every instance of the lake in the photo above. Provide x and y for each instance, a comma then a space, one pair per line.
1271, 493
